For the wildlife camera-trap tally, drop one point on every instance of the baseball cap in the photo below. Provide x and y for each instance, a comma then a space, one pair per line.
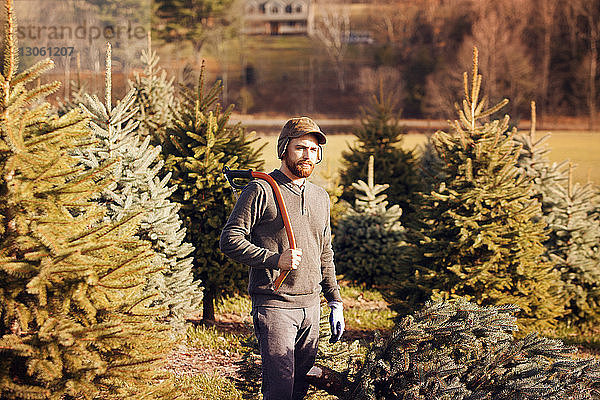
297, 127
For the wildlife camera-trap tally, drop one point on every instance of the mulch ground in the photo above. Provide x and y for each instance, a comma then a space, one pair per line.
189, 361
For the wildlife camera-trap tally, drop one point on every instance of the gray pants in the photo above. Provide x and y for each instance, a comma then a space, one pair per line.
288, 340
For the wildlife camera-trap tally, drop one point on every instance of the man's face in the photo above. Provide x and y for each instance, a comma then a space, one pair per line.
301, 155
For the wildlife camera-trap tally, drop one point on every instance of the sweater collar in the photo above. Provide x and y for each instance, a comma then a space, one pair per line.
283, 180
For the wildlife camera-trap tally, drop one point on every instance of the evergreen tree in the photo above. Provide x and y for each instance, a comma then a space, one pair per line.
481, 232
138, 184
533, 161
461, 351
381, 135
154, 98
574, 246
367, 238
200, 144
595, 214
430, 166
75, 320
574, 236
338, 207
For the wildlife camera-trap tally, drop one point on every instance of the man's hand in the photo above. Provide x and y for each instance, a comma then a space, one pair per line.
289, 259
336, 321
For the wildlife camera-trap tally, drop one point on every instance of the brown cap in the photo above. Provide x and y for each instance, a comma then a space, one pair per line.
297, 127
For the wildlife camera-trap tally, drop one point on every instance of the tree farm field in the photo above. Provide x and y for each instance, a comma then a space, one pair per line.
581, 148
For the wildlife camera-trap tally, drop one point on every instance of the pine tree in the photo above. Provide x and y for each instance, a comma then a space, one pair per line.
367, 238
139, 182
338, 207
154, 97
574, 246
574, 236
430, 166
595, 214
75, 317
481, 232
381, 135
200, 144
534, 163
461, 351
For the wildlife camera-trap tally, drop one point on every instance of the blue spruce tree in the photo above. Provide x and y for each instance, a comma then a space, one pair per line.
140, 183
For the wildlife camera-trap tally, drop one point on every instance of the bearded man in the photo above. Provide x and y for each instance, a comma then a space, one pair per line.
286, 321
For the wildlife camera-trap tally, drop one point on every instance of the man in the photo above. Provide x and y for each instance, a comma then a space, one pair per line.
286, 321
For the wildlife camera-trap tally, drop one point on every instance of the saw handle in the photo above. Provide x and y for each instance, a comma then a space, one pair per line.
232, 174
249, 174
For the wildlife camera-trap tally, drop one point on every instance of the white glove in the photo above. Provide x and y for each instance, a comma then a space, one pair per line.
336, 320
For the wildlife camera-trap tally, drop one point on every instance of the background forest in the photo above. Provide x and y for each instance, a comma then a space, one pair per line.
539, 50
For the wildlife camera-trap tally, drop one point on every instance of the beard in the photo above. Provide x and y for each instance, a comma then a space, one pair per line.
301, 169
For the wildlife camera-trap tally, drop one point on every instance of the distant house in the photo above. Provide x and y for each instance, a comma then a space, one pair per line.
278, 17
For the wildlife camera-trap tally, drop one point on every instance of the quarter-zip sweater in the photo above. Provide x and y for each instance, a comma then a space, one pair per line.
255, 235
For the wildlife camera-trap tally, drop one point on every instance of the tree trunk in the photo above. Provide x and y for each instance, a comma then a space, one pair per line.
594, 39
339, 70
208, 305
548, 12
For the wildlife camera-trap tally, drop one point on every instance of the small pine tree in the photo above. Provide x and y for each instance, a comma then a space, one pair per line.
154, 98
338, 207
461, 351
534, 163
574, 246
430, 166
574, 236
76, 321
200, 144
595, 214
367, 238
381, 135
481, 233
138, 185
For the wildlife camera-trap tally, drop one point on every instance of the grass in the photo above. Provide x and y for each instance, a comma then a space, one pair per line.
582, 148
365, 312
213, 339
369, 320
210, 386
586, 338
236, 305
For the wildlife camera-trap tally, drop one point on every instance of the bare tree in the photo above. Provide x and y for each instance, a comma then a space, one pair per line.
370, 80
588, 12
394, 21
504, 61
547, 10
332, 29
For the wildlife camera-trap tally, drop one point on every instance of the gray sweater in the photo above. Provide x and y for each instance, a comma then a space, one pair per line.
254, 235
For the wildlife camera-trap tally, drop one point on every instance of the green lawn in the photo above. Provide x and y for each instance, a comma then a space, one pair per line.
581, 148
